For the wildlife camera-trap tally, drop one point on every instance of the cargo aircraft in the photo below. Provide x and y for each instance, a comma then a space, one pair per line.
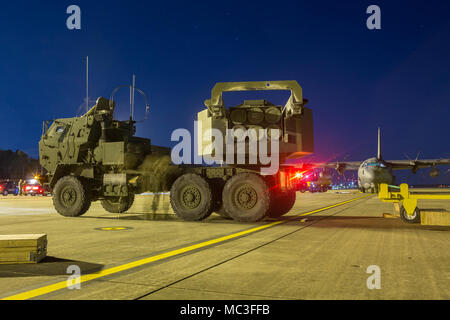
374, 171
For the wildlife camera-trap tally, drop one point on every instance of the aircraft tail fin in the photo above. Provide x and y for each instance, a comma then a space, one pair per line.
379, 145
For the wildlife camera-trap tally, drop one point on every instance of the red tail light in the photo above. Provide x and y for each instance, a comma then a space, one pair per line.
300, 175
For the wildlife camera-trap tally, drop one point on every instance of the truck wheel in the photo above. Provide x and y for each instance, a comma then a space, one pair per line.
246, 197
71, 197
118, 204
415, 218
282, 203
191, 197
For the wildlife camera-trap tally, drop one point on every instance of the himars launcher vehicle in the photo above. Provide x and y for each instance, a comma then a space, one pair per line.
95, 157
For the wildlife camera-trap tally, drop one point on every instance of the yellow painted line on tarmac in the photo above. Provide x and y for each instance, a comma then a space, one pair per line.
84, 278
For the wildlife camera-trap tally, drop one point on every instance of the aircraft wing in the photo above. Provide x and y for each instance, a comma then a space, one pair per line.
346, 165
339, 166
416, 164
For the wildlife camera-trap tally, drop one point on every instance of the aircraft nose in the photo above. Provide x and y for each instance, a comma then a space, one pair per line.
370, 175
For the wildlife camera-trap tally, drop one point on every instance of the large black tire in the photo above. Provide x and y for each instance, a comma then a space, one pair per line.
88, 189
282, 203
71, 197
118, 204
191, 197
415, 218
246, 197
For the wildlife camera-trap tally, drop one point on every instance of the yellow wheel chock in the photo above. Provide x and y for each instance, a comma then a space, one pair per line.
409, 211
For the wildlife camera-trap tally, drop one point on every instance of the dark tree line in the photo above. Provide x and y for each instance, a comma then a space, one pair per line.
17, 165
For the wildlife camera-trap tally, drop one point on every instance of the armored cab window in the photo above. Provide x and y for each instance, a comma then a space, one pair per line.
58, 132
60, 129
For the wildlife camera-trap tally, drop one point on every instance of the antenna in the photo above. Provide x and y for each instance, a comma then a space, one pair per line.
132, 98
132, 101
87, 83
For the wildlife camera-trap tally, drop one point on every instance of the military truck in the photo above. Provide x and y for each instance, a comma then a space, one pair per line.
315, 180
97, 158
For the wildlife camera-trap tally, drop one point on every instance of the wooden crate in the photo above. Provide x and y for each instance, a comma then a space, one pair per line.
22, 248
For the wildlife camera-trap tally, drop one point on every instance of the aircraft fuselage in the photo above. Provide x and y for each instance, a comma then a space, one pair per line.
372, 172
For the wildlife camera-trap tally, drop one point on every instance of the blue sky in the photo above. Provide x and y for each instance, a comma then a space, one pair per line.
356, 79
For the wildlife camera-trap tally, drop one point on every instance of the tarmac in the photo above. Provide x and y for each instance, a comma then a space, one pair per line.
326, 247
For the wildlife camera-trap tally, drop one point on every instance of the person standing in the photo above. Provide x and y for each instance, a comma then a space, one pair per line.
20, 187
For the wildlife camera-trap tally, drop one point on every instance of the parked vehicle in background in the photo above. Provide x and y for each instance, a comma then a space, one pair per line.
8, 187
314, 180
32, 187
